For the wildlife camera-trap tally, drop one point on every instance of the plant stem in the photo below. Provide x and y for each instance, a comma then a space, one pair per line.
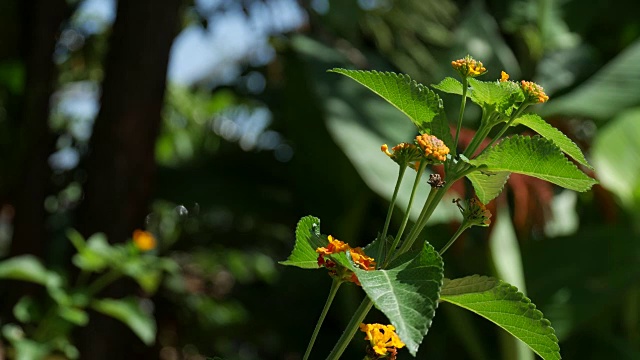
514, 116
455, 236
392, 205
335, 285
103, 281
352, 327
462, 106
396, 240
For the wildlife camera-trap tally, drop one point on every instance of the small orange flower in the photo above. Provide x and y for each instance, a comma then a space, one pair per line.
144, 240
335, 246
468, 67
383, 339
476, 213
504, 76
357, 255
363, 261
434, 149
403, 153
533, 92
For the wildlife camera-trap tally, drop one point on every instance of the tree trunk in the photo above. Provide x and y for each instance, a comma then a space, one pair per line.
43, 22
121, 165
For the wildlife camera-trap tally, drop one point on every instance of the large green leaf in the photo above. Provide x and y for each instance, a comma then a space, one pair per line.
539, 125
28, 268
450, 85
537, 157
308, 239
503, 305
419, 103
501, 95
488, 185
128, 311
407, 293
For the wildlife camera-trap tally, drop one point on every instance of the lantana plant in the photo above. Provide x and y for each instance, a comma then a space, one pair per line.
402, 273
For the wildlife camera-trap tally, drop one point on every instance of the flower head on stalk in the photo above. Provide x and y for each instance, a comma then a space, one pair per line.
383, 340
504, 76
468, 67
404, 154
533, 92
337, 271
433, 149
475, 213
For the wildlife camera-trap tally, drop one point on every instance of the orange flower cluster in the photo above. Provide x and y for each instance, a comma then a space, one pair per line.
475, 213
403, 153
504, 76
383, 339
434, 148
358, 256
144, 240
533, 92
468, 67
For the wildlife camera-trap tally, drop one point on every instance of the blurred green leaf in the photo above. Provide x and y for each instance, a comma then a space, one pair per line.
26, 310
407, 293
73, 315
128, 311
503, 305
605, 94
616, 154
537, 157
28, 268
539, 125
96, 255
308, 239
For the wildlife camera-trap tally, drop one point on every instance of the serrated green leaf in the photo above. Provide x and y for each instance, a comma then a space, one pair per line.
506, 307
537, 157
488, 185
308, 239
539, 125
131, 314
499, 95
450, 85
415, 100
407, 293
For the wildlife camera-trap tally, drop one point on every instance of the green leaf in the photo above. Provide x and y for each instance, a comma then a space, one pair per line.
73, 315
129, 312
95, 255
499, 95
419, 103
537, 157
539, 125
488, 185
407, 293
308, 239
503, 305
450, 85
28, 268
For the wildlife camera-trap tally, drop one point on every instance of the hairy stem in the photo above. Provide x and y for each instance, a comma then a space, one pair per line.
462, 106
352, 327
464, 226
392, 205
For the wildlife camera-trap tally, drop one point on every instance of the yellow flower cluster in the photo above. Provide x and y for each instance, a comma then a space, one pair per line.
468, 67
383, 339
533, 92
504, 76
433, 147
358, 256
144, 240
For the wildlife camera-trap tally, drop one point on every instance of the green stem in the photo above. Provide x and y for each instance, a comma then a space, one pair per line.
352, 327
514, 116
462, 106
480, 135
103, 281
464, 226
430, 204
335, 285
401, 172
396, 240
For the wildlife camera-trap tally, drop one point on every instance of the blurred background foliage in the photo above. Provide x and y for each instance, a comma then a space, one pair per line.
252, 134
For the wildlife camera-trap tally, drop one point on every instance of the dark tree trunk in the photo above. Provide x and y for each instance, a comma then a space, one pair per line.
121, 166
43, 23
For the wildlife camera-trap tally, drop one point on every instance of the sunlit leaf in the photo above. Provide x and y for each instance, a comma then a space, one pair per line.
28, 268
539, 125
537, 157
503, 305
308, 239
407, 293
450, 85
